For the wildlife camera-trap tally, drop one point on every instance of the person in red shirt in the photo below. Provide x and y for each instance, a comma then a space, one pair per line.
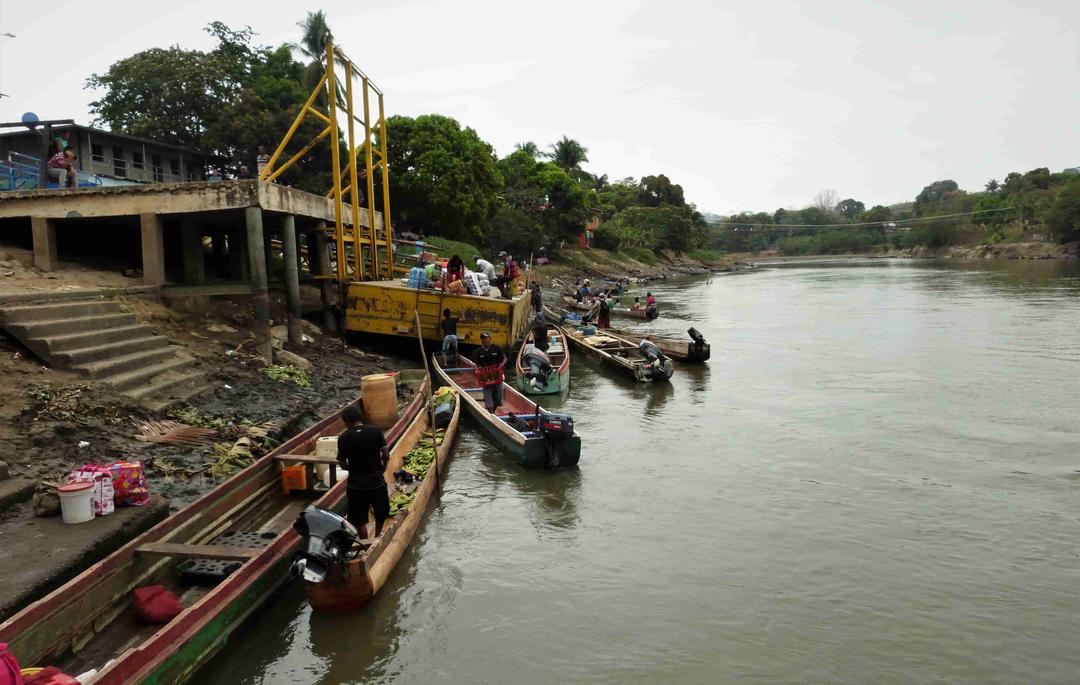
455, 269
61, 166
649, 300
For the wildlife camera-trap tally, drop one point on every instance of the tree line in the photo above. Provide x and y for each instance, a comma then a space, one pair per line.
1033, 205
444, 178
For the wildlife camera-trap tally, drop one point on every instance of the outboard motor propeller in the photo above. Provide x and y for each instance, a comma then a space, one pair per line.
659, 365
328, 538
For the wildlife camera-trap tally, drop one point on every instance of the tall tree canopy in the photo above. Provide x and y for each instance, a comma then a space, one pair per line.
568, 154
443, 177
171, 94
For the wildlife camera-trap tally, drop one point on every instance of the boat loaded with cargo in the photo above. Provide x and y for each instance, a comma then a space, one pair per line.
221, 557
526, 431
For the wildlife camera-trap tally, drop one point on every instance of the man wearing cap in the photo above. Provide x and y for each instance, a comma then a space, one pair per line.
491, 355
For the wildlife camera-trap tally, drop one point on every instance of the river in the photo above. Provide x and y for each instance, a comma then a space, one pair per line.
875, 479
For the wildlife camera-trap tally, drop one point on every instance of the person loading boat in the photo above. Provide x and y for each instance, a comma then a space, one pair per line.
604, 307
490, 361
362, 451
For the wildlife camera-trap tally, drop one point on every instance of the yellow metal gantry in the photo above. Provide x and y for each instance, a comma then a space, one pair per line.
347, 231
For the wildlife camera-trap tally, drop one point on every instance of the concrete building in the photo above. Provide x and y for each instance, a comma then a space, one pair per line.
104, 158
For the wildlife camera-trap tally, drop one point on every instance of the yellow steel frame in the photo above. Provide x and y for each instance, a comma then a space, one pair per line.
366, 264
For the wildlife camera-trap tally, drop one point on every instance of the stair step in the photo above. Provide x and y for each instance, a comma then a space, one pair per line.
79, 324
140, 377
78, 341
127, 345
174, 387
119, 364
58, 310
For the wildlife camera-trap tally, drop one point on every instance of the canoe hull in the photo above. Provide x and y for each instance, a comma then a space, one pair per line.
527, 451
559, 382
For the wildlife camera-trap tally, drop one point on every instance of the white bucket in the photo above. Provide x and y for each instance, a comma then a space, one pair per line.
76, 502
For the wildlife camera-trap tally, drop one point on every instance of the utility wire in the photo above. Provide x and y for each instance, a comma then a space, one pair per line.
866, 223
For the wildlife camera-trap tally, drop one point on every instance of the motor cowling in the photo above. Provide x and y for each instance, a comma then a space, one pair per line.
659, 366
327, 540
539, 367
696, 335
556, 425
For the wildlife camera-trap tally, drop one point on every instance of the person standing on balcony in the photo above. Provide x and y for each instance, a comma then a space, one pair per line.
262, 160
61, 166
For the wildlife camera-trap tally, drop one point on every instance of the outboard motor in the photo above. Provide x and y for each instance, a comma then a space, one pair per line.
328, 538
696, 336
555, 428
659, 365
539, 365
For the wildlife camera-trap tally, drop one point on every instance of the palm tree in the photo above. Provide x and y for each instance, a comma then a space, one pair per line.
530, 148
599, 182
569, 154
313, 45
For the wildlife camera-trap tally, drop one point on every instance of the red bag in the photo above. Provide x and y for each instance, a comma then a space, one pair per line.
50, 675
155, 604
9, 667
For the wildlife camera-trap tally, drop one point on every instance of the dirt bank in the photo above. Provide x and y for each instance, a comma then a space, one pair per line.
596, 263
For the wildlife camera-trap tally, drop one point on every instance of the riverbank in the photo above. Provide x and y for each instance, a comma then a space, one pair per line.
1022, 250
597, 263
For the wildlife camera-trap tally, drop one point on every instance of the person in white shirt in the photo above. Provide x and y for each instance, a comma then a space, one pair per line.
485, 267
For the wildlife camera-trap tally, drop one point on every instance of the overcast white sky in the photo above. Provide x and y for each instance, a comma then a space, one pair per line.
749, 105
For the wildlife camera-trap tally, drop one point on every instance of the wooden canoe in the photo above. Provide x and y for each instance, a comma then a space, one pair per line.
572, 303
89, 621
645, 313
558, 352
679, 350
368, 573
615, 351
528, 447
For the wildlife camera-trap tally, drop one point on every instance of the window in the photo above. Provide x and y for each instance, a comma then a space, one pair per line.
155, 166
174, 167
97, 153
136, 160
119, 164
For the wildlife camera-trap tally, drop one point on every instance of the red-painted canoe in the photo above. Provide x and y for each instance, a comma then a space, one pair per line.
241, 530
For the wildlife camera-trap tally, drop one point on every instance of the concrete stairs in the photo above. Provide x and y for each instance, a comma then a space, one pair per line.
96, 337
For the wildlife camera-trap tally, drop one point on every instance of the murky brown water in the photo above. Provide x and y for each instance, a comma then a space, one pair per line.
875, 480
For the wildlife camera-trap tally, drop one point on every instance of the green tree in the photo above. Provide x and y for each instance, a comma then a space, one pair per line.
879, 213
850, 208
1062, 215
315, 35
171, 95
568, 154
926, 202
444, 178
659, 190
529, 148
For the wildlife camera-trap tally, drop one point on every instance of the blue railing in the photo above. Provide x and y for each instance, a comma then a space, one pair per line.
23, 172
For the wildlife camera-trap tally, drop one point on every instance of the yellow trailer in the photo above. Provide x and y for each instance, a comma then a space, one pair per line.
387, 307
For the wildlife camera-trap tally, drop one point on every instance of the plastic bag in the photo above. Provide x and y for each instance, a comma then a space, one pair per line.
129, 484
102, 495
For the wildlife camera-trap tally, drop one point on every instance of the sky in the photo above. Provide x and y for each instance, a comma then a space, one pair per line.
747, 105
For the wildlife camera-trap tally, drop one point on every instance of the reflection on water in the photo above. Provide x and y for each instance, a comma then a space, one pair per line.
873, 480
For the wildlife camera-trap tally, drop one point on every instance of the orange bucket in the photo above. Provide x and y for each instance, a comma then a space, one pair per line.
293, 478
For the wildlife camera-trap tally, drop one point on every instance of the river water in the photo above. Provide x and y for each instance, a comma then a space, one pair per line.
876, 479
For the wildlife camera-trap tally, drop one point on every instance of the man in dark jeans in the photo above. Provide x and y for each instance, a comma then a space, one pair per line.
491, 355
363, 452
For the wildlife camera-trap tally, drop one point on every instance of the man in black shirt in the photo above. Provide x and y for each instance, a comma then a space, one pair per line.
363, 452
491, 354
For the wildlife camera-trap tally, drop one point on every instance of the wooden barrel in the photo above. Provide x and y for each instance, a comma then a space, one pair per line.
379, 398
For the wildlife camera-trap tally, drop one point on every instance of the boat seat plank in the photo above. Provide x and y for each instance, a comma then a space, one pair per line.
306, 459
218, 552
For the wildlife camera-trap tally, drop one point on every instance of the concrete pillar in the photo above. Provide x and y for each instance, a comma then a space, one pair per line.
44, 232
153, 249
317, 259
194, 258
261, 298
292, 278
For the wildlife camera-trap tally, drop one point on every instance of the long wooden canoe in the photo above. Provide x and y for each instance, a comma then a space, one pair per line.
572, 303
368, 573
558, 352
679, 350
513, 425
647, 313
246, 522
617, 352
